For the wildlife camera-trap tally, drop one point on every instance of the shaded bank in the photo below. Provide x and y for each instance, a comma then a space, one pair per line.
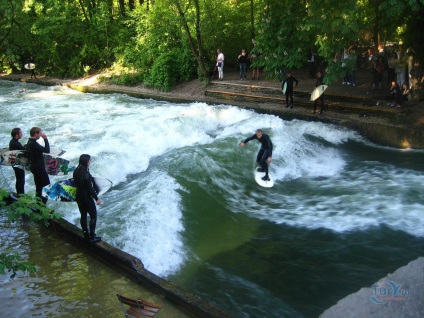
352, 109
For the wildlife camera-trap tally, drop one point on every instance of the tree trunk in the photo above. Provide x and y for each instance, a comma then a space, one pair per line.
122, 7
131, 5
377, 23
198, 53
252, 19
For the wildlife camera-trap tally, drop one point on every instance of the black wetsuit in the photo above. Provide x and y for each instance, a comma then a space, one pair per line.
37, 166
84, 197
289, 90
264, 153
14, 144
320, 81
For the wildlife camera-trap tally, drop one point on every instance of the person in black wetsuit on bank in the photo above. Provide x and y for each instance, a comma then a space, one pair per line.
37, 166
290, 80
14, 144
85, 197
265, 153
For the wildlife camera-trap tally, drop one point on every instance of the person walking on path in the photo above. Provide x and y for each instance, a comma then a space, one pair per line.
289, 81
14, 144
220, 65
37, 166
85, 197
320, 81
242, 59
265, 152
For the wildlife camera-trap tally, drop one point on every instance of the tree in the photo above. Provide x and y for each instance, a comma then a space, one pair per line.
196, 49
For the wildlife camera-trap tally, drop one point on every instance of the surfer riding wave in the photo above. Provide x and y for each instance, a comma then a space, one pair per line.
265, 152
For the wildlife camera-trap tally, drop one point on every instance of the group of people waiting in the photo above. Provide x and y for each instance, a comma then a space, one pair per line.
85, 194
243, 60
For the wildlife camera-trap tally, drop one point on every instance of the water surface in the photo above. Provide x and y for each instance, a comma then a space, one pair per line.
343, 212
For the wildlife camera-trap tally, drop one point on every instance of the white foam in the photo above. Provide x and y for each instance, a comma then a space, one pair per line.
130, 141
150, 222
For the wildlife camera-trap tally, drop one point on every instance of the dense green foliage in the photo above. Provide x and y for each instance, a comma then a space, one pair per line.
32, 210
163, 42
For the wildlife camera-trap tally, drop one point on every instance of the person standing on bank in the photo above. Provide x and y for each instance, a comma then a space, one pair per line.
37, 166
31, 61
289, 90
265, 153
242, 59
220, 65
14, 144
85, 197
321, 98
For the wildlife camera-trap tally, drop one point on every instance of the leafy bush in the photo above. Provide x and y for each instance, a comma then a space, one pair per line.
12, 263
28, 206
171, 68
34, 210
164, 72
127, 79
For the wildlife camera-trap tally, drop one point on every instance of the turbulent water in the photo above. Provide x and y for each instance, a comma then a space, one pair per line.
342, 214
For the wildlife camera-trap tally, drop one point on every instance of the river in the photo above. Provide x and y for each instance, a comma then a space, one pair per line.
342, 214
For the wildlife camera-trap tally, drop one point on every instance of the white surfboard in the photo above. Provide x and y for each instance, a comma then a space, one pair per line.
284, 87
317, 92
262, 183
8, 156
102, 185
54, 165
29, 66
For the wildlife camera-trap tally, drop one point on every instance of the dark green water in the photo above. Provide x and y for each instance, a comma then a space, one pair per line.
343, 213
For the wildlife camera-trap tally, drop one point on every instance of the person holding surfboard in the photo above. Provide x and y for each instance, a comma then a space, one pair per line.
85, 195
319, 82
31, 61
265, 152
287, 88
14, 144
37, 166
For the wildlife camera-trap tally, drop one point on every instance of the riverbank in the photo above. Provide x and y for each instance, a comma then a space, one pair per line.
384, 125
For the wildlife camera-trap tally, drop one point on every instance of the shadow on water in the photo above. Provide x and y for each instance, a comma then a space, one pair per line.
295, 272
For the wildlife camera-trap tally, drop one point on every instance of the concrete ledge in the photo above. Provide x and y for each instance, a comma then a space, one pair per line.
133, 268
400, 294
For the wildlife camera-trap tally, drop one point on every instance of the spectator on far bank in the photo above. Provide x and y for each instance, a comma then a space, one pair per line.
394, 94
370, 59
391, 67
242, 59
405, 92
254, 54
378, 72
311, 63
220, 65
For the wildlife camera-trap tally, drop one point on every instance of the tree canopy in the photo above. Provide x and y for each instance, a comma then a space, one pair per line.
162, 42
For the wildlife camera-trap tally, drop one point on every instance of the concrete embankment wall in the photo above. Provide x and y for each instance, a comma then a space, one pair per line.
400, 294
133, 268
